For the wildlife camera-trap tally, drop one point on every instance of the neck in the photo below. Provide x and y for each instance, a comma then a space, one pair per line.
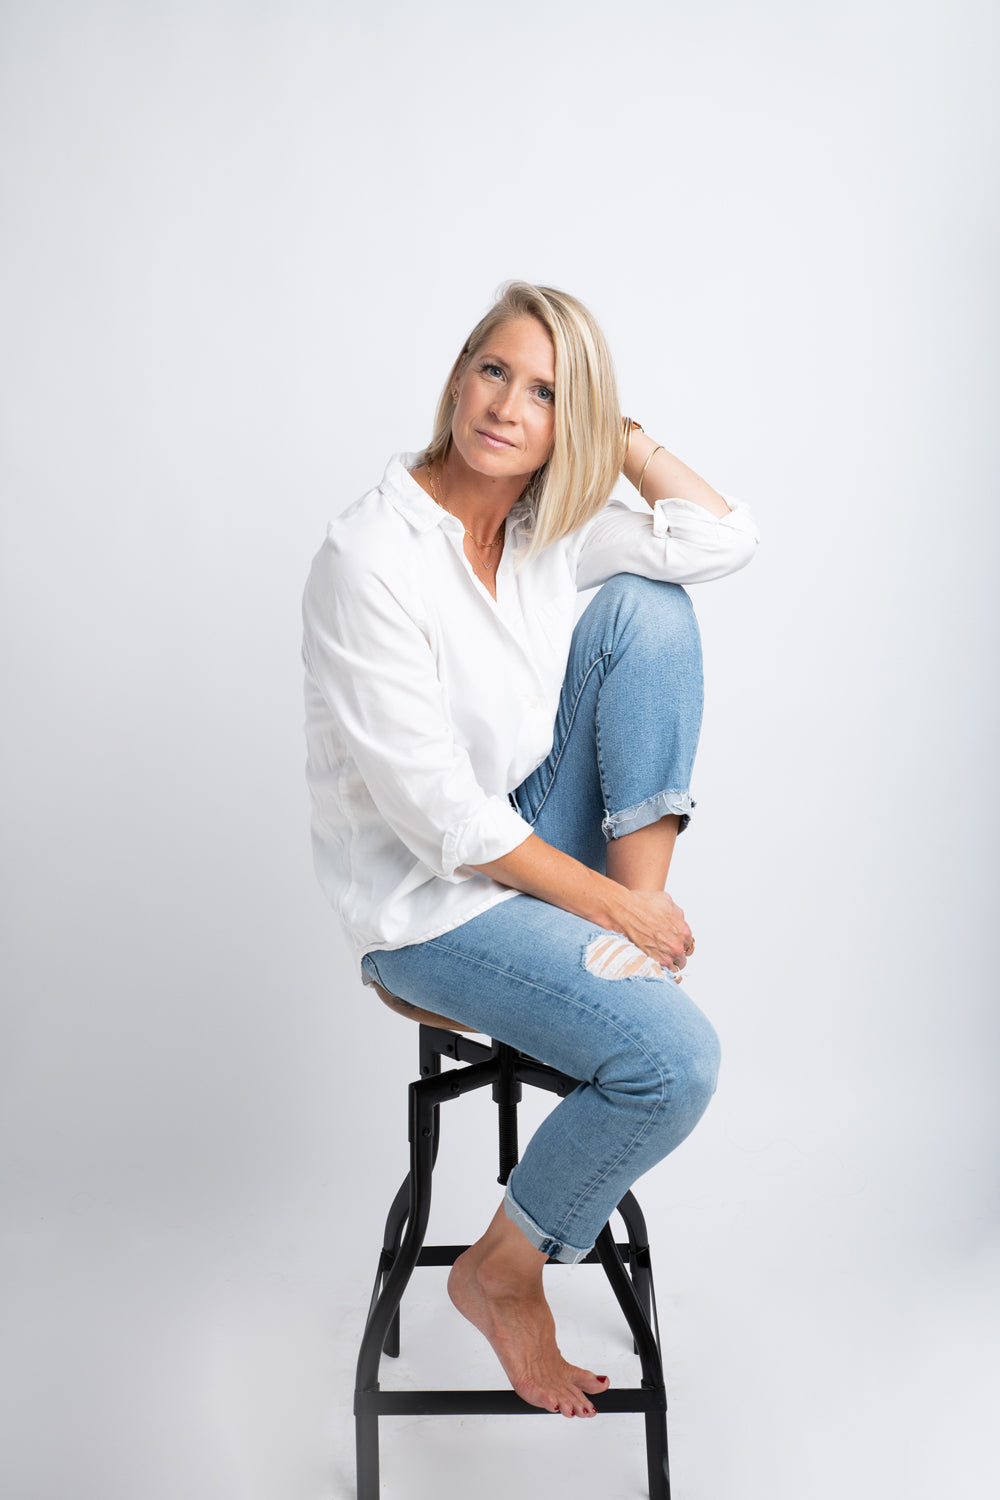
482, 504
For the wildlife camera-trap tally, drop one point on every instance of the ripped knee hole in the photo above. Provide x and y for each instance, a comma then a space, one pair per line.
614, 957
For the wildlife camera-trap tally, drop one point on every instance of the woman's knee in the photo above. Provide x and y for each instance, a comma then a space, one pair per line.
650, 599
648, 621
697, 1073
675, 1062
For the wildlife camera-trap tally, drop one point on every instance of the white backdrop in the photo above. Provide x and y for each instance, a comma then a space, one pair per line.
243, 243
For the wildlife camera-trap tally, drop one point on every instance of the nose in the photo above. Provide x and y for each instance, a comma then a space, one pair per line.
505, 403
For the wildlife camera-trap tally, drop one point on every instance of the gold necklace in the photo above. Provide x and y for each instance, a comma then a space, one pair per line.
498, 539
488, 546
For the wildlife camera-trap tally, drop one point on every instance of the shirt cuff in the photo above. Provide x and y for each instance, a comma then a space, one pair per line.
492, 831
683, 518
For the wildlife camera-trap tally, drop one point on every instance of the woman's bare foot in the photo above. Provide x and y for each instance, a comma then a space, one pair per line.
497, 1285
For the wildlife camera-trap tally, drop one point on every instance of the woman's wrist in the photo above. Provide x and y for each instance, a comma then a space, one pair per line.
658, 475
588, 894
541, 870
640, 449
629, 426
606, 904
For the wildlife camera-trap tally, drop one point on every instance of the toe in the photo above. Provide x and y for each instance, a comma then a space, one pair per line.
582, 1405
592, 1384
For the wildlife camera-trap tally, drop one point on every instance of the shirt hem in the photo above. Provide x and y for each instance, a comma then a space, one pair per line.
494, 899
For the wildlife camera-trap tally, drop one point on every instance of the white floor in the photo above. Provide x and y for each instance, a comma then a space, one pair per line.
820, 1341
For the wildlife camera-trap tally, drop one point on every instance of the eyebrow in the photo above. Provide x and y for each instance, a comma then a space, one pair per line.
494, 359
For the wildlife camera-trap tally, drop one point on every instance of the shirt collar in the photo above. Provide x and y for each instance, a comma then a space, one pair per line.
416, 506
402, 490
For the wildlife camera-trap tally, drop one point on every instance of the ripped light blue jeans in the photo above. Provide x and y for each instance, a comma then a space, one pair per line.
525, 972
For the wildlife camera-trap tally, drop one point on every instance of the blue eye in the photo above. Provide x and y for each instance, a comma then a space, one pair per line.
492, 370
546, 393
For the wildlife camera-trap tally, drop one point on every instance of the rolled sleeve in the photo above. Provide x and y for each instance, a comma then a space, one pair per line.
676, 541
493, 831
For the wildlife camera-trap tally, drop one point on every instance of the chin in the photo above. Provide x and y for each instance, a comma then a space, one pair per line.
492, 461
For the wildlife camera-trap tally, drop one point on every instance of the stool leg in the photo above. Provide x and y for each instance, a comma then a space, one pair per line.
639, 1265
391, 1241
649, 1358
628, 1301
507, 1096
386, 1304
657, 1463
366, 1432
391, 1345
396, 1218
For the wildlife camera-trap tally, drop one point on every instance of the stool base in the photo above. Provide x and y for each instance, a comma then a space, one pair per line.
403, 1249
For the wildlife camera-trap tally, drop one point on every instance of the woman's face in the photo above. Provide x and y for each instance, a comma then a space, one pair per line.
505, 418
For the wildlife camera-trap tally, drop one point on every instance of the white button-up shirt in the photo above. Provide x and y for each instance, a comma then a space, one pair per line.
428, 702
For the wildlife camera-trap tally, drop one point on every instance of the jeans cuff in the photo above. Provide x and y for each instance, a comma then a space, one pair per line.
555, 1249
650, 811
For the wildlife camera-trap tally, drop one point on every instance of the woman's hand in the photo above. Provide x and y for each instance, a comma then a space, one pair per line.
654, 922
650, 920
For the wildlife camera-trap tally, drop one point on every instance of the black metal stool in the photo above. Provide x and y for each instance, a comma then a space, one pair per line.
403, 1249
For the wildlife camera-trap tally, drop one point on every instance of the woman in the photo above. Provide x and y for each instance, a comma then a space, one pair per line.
496, 794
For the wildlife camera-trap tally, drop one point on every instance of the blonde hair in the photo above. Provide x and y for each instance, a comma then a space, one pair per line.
588, 448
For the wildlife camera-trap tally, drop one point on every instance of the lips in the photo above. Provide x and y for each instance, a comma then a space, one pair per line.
494, 439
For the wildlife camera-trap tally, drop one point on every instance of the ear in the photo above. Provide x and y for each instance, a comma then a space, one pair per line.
457, 372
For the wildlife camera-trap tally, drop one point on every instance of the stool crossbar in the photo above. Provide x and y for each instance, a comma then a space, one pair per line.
627, 1266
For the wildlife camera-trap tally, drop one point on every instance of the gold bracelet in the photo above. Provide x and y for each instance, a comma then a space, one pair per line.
630, 426
649, 460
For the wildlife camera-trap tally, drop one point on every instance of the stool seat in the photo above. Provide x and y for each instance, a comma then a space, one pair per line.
416, 1013
627, 1265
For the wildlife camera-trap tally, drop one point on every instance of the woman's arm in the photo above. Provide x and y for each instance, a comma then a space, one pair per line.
649, 919
379, 725
665, 477
692, 535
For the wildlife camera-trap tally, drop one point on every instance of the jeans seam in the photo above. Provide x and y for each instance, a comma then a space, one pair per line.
602, 656
635, 1041
482, 963
625, 1152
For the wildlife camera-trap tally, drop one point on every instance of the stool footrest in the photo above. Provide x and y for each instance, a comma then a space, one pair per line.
446, 1255
493, 1403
